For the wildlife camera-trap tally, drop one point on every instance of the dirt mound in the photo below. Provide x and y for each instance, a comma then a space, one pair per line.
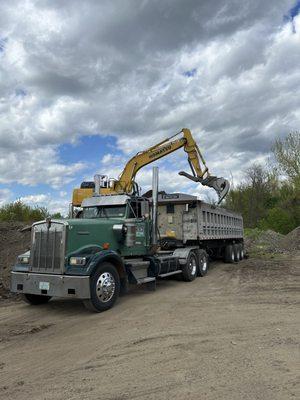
12, 243
272, 242
291, 241
265, 241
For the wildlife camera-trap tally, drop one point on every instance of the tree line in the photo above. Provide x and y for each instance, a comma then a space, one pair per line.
21, 212
269, 195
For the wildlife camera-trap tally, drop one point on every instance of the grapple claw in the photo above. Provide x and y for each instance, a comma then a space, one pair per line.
221, 185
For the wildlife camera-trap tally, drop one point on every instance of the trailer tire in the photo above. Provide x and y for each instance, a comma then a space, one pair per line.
35, 299
242, 254
189, 271
104, 287
237, 253
202, 263
229, 254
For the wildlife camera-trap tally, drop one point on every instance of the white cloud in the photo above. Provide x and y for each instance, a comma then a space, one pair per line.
33, 166
119, 68
53, 204
5, 196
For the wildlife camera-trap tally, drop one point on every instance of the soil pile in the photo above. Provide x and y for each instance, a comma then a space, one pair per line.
12, 243
273, 242
291, 242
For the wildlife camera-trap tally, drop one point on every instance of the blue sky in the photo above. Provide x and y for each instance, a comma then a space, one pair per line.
90, 149
84, 87
295, 9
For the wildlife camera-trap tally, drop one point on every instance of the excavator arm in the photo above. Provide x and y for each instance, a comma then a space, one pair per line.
197, 163
126, 182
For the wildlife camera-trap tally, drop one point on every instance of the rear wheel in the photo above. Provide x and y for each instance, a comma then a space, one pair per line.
35, 299
229, 254
237, 252
203, 263
104, 287
241, 251
189, 271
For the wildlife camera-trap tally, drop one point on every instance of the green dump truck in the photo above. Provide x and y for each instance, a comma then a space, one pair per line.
118, 240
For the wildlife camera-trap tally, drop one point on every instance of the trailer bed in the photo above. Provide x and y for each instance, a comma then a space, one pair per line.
184, 218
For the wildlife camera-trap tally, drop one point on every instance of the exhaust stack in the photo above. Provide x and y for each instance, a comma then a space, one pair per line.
97, 180
154, 204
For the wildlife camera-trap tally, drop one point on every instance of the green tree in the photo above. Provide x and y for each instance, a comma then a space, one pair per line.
287, 154
264, 199
18, 211
56, 215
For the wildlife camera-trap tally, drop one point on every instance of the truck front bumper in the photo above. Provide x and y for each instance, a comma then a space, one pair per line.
51, 285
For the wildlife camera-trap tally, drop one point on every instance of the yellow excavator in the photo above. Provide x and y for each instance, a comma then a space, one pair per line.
126, 183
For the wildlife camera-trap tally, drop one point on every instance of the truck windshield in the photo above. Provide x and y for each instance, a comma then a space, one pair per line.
103, 212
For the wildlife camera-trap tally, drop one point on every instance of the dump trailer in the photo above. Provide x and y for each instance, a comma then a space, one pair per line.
120, 239
183, 220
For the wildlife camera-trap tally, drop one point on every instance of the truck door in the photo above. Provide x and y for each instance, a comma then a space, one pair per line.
139, 216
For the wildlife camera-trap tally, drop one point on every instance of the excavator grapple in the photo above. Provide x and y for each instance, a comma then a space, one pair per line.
220, 185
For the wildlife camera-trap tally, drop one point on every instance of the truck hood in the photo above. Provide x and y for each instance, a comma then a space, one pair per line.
92, 232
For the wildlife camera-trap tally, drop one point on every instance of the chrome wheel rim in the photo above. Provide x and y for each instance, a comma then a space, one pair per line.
193, 265
204, 265
232, 255
105, 287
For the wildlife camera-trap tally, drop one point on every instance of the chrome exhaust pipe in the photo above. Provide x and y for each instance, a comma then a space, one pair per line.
154, 204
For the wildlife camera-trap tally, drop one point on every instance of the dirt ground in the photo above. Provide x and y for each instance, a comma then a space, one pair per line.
231, 335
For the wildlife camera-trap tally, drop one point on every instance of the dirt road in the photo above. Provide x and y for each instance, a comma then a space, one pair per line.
231, 335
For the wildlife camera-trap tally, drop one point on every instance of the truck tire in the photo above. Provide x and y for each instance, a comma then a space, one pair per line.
229, 254
236, 250
202, 264
35, 299
189, 271
104, 287
241, 251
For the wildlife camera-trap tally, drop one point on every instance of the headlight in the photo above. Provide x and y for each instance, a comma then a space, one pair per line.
23, 259
77, 260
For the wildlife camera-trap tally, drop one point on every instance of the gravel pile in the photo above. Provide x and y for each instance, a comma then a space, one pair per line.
273, 242
291, 242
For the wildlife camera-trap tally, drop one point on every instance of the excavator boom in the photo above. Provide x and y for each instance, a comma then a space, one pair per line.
126, 182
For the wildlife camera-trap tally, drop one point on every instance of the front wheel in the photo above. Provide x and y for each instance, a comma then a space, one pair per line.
189, 271
104, 288
35, 299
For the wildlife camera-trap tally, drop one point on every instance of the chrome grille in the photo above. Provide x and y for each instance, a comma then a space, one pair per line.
47, 249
